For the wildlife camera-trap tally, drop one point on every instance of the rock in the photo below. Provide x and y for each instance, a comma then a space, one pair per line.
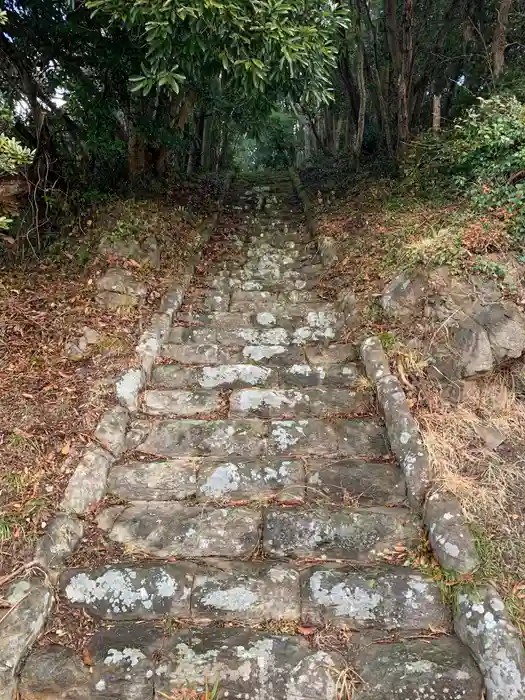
403, 295
87, 484
273, 403
91, 335
192, 438
390, 599
282, 480
433, 669
331, 533
173, 530
128, 388
235, 376
349, 480
59, 541
299, 375
55, 673
405, 439
120, 592
470, 342
481, 622
111, 430
138, 431
143, 251
248, 664
335, 354
449, 534
195, 354
119, 287
505, 326
173, 376
20, 626
374, 359
491, 436
180, 403
172, 480
254, 593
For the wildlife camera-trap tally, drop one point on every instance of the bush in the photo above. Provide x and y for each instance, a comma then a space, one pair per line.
482, 157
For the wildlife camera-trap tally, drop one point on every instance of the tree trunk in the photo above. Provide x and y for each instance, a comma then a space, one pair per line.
404, 78
436, 114
499, 40
136, 153
206, 142
360, 131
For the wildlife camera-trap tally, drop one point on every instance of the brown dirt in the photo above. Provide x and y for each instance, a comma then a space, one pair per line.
50, 404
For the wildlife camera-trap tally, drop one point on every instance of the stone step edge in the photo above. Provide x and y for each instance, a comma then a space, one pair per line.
31, 599
311, 595
480, 617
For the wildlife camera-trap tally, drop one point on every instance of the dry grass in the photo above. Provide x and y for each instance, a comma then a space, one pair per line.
489, 482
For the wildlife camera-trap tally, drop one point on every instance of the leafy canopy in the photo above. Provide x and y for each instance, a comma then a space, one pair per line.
255, 43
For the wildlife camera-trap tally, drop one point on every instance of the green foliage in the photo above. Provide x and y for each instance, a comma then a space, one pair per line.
257, 45
13, 155
482, 156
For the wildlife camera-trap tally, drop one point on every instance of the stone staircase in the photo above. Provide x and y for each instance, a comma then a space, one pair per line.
259, 482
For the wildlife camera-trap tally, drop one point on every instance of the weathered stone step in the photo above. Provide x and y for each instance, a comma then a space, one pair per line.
139, 662
389, 598
386, 598
215, 377
208, 480
320, 481
166, 529
362, 437
293, 403
181, 403
263, 328
358, 534
351, 481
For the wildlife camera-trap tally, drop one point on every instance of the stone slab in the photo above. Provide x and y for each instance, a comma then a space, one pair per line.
273, 355
235, 376
334, 354
419, 669
173, 402
358, 534
349, 480
172, 530
130, 592
87, 484
279, 479
482, 623
194, 438
351, 438
292, 403
172, 480
450, 535
249, 592
173, 376
386, 598
30, 603
248, 664
55, 673
374, 359
302, 374
111, 430
59, 541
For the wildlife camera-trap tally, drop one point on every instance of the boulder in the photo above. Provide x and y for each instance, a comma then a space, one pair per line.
119, 287
142, 251
403, 295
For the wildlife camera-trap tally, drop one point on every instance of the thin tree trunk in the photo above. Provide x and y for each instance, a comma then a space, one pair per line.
499, 40
360, 131
404, 77
436, 114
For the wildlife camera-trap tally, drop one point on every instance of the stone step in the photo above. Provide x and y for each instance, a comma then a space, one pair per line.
385, 598
181, 403
319, 481
168, 529
290, 316
356, 438
292, 403
140, 661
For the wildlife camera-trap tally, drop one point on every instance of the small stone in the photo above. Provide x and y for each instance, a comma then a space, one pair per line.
111, 430
59, 541
122, 282
120, 592
490, 435
128, 388
91, 335
374, 359
87, 484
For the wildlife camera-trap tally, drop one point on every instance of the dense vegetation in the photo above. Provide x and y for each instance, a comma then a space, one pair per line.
111, 95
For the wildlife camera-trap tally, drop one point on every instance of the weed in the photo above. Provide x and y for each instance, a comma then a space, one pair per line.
5, 529
387, 340
191, 694
490, 268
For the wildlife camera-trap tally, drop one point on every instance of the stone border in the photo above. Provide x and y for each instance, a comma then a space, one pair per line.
480, 618
32, 600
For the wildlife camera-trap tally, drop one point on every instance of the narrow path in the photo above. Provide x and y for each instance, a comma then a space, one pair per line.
259, 481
